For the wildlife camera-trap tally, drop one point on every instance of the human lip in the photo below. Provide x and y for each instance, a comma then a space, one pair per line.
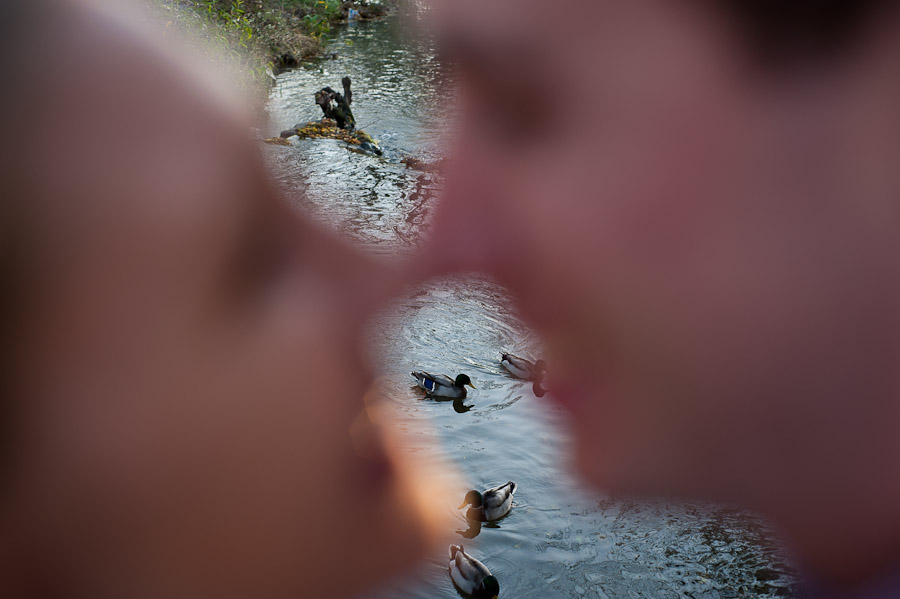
567, 393
375, 464
377, 457
561, 395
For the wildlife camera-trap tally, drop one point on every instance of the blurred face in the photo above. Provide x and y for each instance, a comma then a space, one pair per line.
714, 298
193, 397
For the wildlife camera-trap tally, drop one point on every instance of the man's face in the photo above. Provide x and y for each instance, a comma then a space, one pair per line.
667, 220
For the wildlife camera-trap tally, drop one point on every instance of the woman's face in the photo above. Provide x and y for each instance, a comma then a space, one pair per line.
194, 391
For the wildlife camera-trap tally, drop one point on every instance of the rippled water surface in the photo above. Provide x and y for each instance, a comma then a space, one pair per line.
398, 100
557, 541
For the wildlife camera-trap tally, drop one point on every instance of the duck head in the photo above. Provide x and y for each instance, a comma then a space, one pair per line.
463, 379
488, 588
472, 498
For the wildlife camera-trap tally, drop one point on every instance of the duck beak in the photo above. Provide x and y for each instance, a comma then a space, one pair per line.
462, 505
471, 385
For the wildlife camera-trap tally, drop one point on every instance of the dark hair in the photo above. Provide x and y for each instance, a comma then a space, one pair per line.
20, 25
788, 32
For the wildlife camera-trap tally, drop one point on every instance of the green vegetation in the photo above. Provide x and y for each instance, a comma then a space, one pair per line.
262, 37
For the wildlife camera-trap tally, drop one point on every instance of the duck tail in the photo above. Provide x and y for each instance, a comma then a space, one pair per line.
454, 549
512, 487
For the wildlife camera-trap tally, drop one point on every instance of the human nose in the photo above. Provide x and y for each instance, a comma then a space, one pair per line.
472, 229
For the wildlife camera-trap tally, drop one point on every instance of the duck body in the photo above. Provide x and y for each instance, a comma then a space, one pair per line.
441, 385
471, 576
491, 504
522, 368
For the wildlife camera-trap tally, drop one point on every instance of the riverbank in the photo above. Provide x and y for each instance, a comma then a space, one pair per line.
261, 37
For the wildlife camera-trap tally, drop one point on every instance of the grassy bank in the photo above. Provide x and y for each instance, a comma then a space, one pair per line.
263, 37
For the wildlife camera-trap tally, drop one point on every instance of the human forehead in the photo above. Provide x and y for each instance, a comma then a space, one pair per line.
574, 40
150, 144
546, 24
497, 16
502, 33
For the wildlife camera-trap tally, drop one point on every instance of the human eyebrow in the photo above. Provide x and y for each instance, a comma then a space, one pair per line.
466, 48
512, 97
502, 62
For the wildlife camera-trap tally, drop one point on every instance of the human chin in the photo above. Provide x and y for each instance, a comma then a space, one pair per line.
394, 499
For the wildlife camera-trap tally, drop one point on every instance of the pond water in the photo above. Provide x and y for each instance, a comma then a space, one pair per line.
559, 540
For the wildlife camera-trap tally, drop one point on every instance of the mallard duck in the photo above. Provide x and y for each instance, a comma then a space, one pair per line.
442, 385
522, 368
471, 576
489, 505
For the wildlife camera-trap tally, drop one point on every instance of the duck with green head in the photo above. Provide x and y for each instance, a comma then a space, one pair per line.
491, 504
471, 576
441, 385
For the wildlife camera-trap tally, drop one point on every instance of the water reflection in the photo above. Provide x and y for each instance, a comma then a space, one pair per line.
459, 407
473, 530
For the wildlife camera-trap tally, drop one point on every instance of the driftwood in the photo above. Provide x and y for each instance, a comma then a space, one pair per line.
328, 129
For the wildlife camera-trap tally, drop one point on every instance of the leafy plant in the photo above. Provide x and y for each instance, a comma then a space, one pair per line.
316, 24
260, 36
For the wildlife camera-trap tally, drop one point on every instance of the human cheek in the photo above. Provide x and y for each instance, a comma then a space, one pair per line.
293, 389
357, 486
315, 377
314, 331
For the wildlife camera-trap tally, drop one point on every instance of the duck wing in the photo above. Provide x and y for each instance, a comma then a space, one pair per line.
443, 380
431, 382
439, 385
518, 367
498, 501
516, 361
495, 496
466, 571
